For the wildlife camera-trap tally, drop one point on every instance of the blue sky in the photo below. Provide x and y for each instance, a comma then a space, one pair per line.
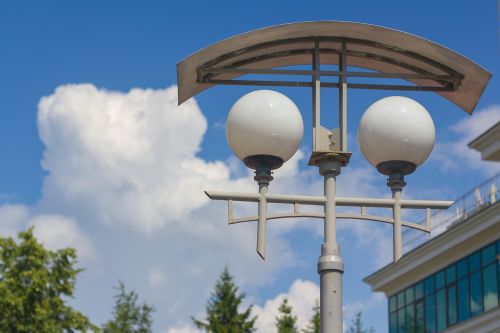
98, 165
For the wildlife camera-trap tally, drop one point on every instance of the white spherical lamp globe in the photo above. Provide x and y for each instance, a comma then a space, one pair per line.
264, 126
396, 134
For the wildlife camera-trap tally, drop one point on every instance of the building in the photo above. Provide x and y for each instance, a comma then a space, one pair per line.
451, 283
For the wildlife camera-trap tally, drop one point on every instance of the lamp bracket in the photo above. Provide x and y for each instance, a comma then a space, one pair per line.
327, 140
340, 157
297, 212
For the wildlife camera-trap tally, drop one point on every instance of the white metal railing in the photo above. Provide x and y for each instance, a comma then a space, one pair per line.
467, 205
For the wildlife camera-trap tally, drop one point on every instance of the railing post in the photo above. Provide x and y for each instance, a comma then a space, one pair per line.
493, 193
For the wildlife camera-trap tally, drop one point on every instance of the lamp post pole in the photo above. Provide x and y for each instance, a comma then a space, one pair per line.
330, 264
262, 177
396, 183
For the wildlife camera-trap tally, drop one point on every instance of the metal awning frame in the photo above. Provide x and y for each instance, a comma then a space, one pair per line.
209, 72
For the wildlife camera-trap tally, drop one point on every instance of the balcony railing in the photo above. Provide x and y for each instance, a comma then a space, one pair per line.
469, 204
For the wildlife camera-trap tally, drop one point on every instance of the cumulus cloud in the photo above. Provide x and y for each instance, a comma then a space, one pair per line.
11, 217
456, 154
125, 157
57, 232
53, 231
375, 236
157, 278
301, 296
183, 329
127, 162
124, 177
362, 306
375, 300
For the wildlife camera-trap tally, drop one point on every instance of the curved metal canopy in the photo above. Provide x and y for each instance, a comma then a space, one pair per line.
386, 53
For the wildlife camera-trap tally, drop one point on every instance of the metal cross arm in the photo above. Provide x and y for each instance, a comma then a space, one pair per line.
297, 200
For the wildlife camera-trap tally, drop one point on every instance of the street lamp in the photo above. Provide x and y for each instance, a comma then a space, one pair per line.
264, 129
396, 134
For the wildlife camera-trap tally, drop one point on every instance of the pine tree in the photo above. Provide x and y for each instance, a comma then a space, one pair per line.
286, 322
35, 286
223, 315
357, 325
315, 321
128, 316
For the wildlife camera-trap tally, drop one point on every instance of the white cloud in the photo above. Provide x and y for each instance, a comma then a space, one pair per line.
456, 154
118, 163
301, 296
53, 231
157, 278
127, 158
183, 329
56, 232
350, 310
127, 162
375, 236
375, 299
11, 217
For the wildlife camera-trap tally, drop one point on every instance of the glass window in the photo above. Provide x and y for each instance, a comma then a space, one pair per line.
463, 290
498, 275
440, 279
392, 303
401, 320
450, 274
441, 309
430, 314
410, 319
476, 294
474, 261
462, 268
419, 290
488, 254
401, 299
429, 285
463, 299
452, 305
409, 295
490, 287
393, 323
419, 316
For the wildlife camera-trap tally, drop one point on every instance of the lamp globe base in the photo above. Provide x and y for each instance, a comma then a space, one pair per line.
396, 167
263, 166
257, 162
